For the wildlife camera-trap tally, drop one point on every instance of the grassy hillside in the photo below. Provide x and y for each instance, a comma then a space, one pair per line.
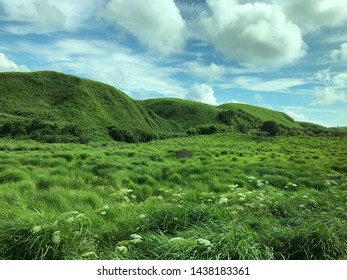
63, 100
184, 112
189, 113
263, 114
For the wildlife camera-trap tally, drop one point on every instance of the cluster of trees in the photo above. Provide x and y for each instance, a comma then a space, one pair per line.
132, 136
43, 131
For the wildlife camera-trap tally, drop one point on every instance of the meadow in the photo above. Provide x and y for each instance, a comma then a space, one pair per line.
237, 197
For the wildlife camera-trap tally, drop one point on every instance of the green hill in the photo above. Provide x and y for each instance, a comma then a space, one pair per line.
186, 113
40, 104
190, 114
263, 114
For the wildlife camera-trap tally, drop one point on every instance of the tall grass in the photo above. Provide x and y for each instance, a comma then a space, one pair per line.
137, 201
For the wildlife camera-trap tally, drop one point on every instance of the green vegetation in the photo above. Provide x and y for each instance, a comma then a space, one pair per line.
237, 197
60, 102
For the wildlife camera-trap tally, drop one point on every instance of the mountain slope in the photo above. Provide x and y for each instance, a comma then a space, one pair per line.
63, 100
190, 113
263, 114
184, 112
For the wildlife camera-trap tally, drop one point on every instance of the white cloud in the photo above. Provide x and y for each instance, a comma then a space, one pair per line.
323, 75
43, 16
295, 116
256, 33
156, 24
259, 98
258, 84
311, 15
328, 96
211, 72
201, 93
340, 54
340, 80
107, 62
7, 65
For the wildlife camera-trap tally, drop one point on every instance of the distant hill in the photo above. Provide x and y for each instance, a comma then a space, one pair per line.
311, 125
47, 102
263, 114
190, 113
184, 112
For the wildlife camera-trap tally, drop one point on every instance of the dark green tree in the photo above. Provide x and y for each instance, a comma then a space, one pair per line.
271, 127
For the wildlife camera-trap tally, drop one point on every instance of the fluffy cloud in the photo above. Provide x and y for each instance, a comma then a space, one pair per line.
256, 33
328, 96
211, 72
42, 16
340, 80
295, 116
201, 93
156, 24
7, 65
311, 15
323, 75
340, 54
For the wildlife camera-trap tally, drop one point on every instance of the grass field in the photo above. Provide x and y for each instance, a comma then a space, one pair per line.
237, 197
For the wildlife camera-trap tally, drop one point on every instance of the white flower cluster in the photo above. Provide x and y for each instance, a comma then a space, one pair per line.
56, 237
206, 243
36, 229
135, 238
223, 200
290, 186
123, 195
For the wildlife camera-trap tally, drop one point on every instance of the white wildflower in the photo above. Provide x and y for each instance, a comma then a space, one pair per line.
121, 249
251, 178
234, 186
103, 213
241, 195
36, 229
223, 200
56, 237
206, 243
142, 216
135, 238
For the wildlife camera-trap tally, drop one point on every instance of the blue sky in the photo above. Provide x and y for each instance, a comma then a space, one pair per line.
290, 56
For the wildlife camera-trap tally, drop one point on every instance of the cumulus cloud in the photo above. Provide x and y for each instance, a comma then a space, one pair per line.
7, 65
210, 72
297, 117
156, 24
323, 75
43, 16
340, 54
328, 96
201, 93
256, 33
311, 15
340, 80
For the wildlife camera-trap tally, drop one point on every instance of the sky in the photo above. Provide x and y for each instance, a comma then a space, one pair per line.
285, 55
